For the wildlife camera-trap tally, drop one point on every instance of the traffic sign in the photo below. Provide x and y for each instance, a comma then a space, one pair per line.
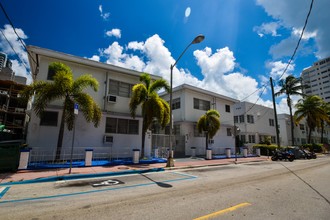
76, 107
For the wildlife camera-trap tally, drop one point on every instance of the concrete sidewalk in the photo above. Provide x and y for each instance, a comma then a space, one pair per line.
95, 171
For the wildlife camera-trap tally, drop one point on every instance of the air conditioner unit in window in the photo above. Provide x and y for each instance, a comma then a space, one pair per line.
108, 139
112, 98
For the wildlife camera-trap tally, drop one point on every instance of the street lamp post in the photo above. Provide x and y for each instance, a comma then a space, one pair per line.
170, 161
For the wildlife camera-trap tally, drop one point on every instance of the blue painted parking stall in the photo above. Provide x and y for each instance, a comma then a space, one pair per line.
66, 188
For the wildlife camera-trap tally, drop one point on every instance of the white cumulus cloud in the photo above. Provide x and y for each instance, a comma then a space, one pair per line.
306, 36
134, 45
155, 58
292, 14
267, 28
95, 58
114, 33
277, 69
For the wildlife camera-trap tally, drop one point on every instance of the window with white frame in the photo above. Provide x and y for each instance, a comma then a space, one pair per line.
227, 108
241, 119
250, 119
229, 132
302, 127
121, 126
271, 122
176, 129
201, 104
235, 119
120, 88
252, 138
176, 104
196, 132
50, 74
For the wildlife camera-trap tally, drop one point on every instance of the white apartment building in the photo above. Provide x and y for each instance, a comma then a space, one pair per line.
255, 122
300, 132
118, 133
317, 78
189, 104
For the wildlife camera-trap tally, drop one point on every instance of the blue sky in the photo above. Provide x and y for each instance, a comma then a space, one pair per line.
246, 41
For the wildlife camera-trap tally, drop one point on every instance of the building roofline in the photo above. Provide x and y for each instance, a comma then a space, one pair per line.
36, 51
196, 89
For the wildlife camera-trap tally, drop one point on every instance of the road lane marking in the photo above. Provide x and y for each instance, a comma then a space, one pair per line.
3, 191
215, 214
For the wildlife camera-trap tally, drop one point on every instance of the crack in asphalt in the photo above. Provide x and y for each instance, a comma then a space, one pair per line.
310, 186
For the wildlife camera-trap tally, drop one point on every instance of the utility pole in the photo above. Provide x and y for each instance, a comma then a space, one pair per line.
275, 113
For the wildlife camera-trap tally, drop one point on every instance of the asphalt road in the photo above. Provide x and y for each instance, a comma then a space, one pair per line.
266, 190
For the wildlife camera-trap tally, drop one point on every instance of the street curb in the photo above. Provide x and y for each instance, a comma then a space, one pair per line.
212, 165
81, 176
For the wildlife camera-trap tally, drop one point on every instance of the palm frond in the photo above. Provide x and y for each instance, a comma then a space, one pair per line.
146, 79
97, 114
84, 81
166, 117
209, 122
86, 105
139, 95
158, 85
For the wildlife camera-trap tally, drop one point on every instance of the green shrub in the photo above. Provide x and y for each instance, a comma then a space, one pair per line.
317, 148
265, 149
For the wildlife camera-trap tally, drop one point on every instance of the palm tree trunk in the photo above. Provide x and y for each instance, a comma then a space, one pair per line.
144, 130
309, 135
206, 141
322, 130
60, 137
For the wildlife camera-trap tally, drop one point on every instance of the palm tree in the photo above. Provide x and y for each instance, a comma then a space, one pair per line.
290, 86
326, 108
209, 123
68, 90
311, 109
153, 107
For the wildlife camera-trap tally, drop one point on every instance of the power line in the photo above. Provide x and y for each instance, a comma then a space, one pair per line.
13, 49
288, 64
256, 101
19, 38
254, 92
301, 35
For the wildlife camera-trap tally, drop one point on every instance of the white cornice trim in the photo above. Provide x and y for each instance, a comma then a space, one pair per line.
38, 51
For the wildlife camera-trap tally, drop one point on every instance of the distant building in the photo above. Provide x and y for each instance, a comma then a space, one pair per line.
255, 122
189, 104
12, 110
317, 78
300, 132
3, 60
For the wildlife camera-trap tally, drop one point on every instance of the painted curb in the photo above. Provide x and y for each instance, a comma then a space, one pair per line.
81, 176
